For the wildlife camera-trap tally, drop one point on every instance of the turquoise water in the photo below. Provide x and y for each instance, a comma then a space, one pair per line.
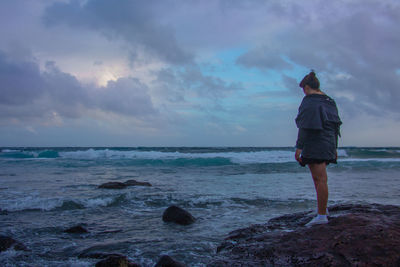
46, 190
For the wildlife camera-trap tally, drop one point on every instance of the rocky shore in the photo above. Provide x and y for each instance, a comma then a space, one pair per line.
356, 235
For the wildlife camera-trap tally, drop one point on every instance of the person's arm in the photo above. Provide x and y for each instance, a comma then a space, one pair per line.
300, 143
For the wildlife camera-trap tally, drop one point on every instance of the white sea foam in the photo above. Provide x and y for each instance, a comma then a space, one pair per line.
98, 202
267, 156
19, 202
342, 153
31, 202
9, 150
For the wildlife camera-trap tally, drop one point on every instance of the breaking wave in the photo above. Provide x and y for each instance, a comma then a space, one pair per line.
193, 156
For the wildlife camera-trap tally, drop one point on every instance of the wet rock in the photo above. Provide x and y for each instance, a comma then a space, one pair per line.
7, 242
167, 261
356, 235
3, 212
136, 183
178, 215
120, 185
113, 185
78, 229
116, 261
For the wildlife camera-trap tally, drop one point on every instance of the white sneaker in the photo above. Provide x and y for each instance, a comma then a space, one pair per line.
327, 212
319, 219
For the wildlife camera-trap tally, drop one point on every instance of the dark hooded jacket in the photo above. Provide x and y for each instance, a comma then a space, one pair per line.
319, 127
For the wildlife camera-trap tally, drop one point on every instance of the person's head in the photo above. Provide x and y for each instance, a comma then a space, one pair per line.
310, 83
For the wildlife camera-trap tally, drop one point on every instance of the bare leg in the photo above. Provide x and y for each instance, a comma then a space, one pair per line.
320, 177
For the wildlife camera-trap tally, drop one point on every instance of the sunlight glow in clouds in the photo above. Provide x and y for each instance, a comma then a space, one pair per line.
193, 73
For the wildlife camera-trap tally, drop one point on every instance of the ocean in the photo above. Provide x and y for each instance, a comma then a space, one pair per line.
44, 191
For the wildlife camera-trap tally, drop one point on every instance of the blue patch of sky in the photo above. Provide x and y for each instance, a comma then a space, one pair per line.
263, 89
254, 80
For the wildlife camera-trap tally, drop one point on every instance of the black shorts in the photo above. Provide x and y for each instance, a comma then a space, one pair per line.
305, 161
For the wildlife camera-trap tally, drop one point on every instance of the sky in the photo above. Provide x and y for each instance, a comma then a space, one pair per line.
194, 72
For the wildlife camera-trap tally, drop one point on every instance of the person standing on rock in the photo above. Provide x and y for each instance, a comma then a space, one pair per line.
319, 127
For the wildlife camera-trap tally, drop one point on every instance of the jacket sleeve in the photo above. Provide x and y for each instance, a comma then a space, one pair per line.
301, 137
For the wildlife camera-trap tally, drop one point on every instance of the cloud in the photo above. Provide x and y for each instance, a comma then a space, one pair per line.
125, 96
172, 63
192, 81
357, 39
132, 21
16, 90
28, 93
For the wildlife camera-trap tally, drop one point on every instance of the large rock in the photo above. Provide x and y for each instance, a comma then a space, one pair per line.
178, 215
113, 185
136, 183
78, 229
116, 261
356, 235
167, 261
7, 242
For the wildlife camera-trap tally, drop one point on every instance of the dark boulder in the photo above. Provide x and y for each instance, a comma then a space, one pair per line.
7, 242
167, 261
120, 185
178, 215
356, 235
113, 185
136, 183
78, 229
116, 261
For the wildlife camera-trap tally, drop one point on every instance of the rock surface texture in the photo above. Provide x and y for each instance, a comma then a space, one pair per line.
356, 235
167, 261
178, 215
116, 261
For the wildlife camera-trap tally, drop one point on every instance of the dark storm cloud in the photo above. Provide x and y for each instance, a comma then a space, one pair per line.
14, 89
26, 92
131, 21
353, 45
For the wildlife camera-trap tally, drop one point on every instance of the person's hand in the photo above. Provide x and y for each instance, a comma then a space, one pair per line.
297, 155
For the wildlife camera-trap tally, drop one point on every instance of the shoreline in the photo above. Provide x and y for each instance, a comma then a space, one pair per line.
357, 234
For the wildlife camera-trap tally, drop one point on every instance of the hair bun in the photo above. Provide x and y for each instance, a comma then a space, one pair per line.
310, 80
